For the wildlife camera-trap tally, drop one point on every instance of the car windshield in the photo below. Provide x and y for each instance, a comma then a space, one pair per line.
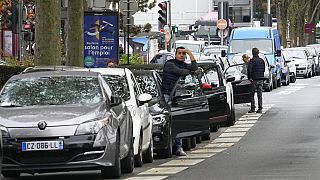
51, 91
294, 54
195, 48
119, 84
246, 45
148, 84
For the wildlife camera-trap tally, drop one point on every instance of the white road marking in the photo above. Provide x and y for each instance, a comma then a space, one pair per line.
299, 84
253, 114
209, 150
237, 130
246, 122
219, 145
242, 125
182, 162
233, 134
227, 140
197, 156
248, 118
147, 177
163, 170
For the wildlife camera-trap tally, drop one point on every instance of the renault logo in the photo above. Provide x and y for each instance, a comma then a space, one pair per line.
42, 125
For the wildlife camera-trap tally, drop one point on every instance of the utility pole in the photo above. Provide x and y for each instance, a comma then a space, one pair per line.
20, 21
170, 26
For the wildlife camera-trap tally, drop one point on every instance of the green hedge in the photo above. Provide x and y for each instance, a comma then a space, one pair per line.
7, 71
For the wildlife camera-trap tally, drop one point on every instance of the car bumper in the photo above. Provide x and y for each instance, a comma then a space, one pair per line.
161, 136
301, 71
79, 152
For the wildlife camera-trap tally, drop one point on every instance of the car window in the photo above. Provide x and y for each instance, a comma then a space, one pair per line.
52, 91
188, 85
107, 89
148, 84
213, 77
119, 84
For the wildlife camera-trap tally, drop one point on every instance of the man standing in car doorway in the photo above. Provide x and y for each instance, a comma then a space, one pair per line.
172, 71
256, 70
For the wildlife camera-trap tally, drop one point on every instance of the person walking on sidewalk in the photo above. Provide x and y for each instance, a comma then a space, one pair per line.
256, 70
172, 71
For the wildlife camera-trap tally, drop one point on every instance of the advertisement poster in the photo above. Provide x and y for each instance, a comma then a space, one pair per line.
101, 39
7, 43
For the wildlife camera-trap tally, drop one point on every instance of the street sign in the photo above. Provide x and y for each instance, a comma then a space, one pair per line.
222, 24
223, 33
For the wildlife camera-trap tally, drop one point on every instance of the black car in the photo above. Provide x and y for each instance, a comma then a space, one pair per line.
64, 121
150, 82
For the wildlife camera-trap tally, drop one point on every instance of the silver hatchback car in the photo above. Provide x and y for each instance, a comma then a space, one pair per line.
62, 121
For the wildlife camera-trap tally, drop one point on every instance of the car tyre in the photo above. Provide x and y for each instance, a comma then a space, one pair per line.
138, 158
166, 152
127, 164
193, 142
198, 139
206, 137
214, 127
186, 144
293, 79
113, 172
10, 174
147, 157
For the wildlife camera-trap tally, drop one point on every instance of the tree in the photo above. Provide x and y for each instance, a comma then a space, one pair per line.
75, 37
147, 28
144, 5
47, 29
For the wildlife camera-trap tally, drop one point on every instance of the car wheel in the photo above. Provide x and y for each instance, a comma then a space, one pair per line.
199, 139
279, 82
214, 127
127, 164
274, 85
166, 152
193, 142
231, 119
186, 144
310, 75
10, 174
206, 137
293, 79
147, 157
138, 158
113, 172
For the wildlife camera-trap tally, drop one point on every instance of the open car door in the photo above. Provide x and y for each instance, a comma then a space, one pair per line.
241, 85
189, 107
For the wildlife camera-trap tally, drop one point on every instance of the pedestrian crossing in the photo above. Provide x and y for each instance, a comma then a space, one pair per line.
293, 88
227, 139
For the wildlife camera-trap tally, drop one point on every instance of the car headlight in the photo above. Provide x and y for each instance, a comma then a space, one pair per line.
92, 127
4, 132
158, 119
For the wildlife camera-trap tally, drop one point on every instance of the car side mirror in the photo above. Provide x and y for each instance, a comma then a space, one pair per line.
144, 98
223, 53
115, 100
230, 78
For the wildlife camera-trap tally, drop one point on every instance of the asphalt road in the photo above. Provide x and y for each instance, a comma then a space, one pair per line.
282, 143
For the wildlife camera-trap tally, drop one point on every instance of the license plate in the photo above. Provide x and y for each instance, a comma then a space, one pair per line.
42, 145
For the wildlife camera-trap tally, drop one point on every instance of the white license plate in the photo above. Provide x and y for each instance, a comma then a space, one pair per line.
42, 145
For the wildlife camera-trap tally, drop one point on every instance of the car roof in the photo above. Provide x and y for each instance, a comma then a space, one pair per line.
55, 74
49, 68
107, 71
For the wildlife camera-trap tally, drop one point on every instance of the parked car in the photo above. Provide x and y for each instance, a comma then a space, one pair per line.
123, 82
62, 121
267, 83
312, 56
286, 55
150, 82
196, 47
214, 50
49, 68
302, 61
162, 57
317, 58
201, 99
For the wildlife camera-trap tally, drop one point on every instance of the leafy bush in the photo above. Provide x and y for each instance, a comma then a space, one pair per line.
133, 59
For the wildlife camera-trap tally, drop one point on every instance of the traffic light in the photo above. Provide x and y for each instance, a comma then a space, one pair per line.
162, 14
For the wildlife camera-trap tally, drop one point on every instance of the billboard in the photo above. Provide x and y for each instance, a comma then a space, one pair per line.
101, 39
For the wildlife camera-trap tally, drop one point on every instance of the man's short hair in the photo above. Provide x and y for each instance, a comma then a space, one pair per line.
255, 51
180, 47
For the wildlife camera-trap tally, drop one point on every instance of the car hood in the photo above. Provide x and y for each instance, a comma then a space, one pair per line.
53, 115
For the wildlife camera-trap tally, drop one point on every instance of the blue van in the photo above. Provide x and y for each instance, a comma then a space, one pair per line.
267, 40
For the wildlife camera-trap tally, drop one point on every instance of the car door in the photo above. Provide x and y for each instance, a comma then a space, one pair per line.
189, 107
120, 112
241, 85
217, 95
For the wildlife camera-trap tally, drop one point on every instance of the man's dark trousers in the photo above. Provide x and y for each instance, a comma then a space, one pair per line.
256, 85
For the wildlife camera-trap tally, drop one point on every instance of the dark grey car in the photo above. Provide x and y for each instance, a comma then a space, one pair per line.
62, 121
